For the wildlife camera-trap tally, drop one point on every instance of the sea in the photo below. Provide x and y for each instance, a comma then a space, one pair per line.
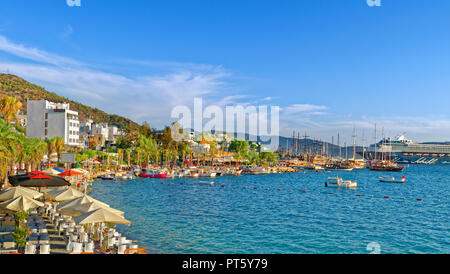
287, 213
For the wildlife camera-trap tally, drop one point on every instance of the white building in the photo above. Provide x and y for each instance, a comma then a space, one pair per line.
47, 120
109, 132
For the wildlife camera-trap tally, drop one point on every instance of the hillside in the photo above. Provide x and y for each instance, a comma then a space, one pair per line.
11, 85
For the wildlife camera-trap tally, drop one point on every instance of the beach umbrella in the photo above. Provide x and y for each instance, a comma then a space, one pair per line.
101, 215
61, 195
21, 203
85, 199
52, 171
78, 209
14, 192
37, 181
69, 173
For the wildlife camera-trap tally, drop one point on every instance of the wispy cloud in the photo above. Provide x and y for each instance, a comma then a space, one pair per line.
34, 54
149, 97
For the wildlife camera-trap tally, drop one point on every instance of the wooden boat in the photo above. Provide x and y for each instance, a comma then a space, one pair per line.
339, 183
393, 180
385, 166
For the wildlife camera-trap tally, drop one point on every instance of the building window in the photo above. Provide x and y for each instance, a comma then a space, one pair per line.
46, 123
46, 132
46, 116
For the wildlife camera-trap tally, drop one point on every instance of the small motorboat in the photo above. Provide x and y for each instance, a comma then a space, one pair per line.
388, 179
340, 183
152, 174
207, 174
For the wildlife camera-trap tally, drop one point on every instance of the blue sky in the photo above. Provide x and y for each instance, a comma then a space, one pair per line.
329, 65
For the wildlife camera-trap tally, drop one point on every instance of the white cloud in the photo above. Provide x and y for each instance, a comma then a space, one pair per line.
304, 109
34, 54
148, 97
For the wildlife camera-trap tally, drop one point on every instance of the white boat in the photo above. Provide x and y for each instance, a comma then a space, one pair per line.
388, 179
191, 174
338, 182
207, 174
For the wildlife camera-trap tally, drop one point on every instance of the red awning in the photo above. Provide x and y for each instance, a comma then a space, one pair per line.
70, 173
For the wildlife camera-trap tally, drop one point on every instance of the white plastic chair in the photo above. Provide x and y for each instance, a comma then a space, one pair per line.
84, 237
73, 238
43, 231
30, 249
77, 247
121, 249
122, 240
89, 247
69, 246
44, 249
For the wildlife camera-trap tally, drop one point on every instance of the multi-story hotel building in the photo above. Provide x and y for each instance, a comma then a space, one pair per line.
46, 120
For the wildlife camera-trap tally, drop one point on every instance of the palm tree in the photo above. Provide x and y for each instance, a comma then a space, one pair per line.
59, 147
138, 151
11, 143
51, 145
128, 151
9, 107
119, 161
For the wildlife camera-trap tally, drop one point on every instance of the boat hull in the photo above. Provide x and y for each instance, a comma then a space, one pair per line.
159, 176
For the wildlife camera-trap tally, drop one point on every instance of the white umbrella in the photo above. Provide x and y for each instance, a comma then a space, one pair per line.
82, 200
78, 209
101, 215
14, 192
61, 195
21, 203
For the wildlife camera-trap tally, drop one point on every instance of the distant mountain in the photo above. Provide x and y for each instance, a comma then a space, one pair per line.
11, 85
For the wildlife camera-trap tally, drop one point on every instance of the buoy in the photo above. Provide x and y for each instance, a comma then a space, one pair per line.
255, 188
387, 197
331, 193
162, 183
201, 185
181, 183
419, 199
279, 189
222, 186
304, 191
359, 195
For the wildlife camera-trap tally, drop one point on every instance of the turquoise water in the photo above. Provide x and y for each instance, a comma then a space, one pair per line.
184, 216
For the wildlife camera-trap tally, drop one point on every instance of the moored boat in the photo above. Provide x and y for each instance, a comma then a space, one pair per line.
388, 179
340, 183
152, 174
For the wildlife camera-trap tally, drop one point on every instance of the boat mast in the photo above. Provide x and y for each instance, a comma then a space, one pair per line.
383, 145
346, 155
332, 146
375, 143
364, 146
354, 144
339, 146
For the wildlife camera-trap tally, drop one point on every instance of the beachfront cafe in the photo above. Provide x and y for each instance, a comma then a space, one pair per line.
44, 214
